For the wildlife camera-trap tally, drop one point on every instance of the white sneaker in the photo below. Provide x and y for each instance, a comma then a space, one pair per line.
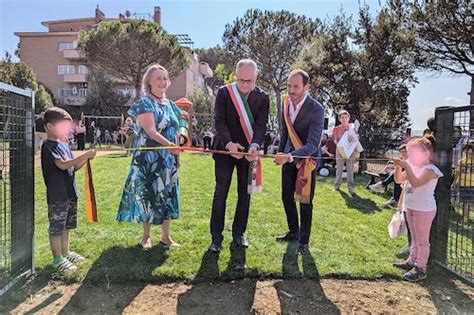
377, 188
64, 265
75, 258
391, 203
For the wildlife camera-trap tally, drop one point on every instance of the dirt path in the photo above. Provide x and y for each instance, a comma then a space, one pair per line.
248, 296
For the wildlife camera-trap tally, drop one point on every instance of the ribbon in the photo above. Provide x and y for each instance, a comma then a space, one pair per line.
91, 205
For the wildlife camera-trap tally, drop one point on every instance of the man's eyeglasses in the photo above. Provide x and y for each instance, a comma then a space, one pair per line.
245, 81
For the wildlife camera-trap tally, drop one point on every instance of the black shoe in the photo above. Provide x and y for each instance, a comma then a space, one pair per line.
403, 265
404, 253
415, 275
215, 247
241, 242
302, 249
288, 237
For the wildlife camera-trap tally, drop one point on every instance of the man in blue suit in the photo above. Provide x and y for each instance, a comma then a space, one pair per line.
301, 130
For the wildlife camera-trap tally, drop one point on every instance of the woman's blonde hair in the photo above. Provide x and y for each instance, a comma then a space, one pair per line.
146, 88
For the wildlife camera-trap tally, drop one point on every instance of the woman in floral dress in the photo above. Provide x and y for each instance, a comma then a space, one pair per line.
151, 193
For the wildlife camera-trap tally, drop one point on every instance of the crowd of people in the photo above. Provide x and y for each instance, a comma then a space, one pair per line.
94, 136
151, 191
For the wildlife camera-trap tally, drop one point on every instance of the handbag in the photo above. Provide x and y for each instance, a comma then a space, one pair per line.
397, 226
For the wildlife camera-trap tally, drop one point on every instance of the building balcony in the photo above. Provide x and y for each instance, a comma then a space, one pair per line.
72, 100
72, 54
76, 78
205, 70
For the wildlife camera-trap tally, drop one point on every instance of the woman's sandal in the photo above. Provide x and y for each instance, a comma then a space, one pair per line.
146, 245
173, 244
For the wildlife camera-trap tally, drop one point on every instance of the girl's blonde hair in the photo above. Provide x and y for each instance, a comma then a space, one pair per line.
146, 88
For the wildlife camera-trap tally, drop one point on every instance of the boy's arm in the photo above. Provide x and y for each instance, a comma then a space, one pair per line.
76, 162
80, 165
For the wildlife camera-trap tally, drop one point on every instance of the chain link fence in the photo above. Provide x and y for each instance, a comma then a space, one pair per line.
16, 185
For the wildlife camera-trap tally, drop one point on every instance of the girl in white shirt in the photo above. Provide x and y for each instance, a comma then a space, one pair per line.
422, 177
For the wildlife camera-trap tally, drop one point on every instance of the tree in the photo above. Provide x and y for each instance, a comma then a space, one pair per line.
103, 97
215, 56
273, 40
125, 50
368, 70
221, 62
44, 98
22, 76
225, 74
445, 40
203, 109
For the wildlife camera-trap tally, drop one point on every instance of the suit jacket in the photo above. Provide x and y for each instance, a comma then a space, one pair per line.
227, 123
309, 125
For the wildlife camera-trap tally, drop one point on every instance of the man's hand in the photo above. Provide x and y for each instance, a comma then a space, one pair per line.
235, 149
282, 158
252, 154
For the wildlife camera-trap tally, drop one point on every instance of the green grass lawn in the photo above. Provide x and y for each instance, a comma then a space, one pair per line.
349, 235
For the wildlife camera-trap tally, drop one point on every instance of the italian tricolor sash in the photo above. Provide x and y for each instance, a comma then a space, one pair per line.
254, 181
305, 166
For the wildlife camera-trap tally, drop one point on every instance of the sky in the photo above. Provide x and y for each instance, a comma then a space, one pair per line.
204, 21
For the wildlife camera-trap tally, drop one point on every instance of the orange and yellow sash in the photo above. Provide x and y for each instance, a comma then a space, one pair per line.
305, 166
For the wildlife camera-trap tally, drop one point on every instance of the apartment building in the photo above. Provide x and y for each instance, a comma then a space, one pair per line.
58, 64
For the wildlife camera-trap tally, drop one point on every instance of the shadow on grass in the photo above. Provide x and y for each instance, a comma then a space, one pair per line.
290, 267
364, 205
236, 267
107, 271
307, 299
209, 268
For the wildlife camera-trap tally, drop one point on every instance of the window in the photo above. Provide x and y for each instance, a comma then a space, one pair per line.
72, 92
83, 70
200, 82
65, 92
192, 76
83, 93
65, 46
127, 92
67, 69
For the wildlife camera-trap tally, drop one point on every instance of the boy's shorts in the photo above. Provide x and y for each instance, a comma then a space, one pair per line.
62, 215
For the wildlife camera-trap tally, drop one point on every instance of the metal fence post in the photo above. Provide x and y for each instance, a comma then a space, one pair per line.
444, 119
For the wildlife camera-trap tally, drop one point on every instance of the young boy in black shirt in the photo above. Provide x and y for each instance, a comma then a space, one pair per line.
59, 166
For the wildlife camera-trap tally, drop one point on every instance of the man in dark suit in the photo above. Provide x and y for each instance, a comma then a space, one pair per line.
305, 117
233, 136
